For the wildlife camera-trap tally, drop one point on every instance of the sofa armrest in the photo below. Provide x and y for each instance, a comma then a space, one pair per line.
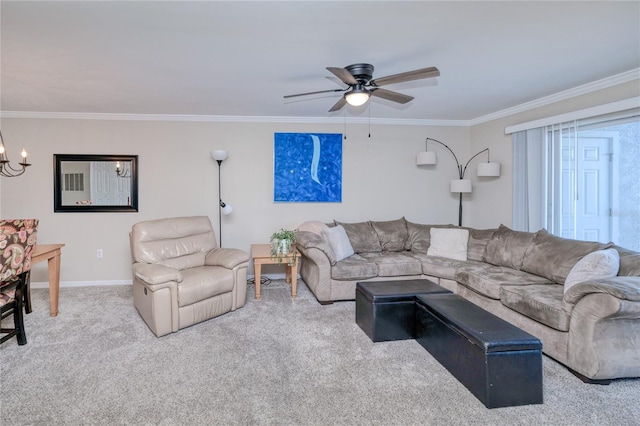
153, 274
624, 288
306, 240
226, 257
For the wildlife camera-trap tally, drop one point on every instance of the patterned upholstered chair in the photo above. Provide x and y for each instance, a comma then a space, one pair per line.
180, 275
17, 242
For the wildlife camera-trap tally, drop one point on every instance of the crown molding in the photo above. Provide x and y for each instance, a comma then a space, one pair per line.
605, 83
537, 103
230, 118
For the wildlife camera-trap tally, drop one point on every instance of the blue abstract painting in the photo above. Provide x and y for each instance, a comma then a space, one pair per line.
307, 167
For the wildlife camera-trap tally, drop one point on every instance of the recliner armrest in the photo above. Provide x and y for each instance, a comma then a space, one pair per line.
226, 257
620, 287
156, 274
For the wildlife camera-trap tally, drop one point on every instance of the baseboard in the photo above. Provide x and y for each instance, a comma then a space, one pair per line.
45, 284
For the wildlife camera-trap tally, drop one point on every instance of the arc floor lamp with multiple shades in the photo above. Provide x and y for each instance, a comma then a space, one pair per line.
223, 209
460, 185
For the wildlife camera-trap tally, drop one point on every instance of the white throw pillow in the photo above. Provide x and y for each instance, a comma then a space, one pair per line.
313, 226
449, 242
598, 264
339, 242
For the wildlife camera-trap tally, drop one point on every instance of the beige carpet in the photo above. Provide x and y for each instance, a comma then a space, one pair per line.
275, 361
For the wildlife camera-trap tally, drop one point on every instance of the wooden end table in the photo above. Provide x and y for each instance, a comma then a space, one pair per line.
261, 254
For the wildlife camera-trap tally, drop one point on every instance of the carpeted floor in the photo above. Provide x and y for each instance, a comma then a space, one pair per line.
275, 361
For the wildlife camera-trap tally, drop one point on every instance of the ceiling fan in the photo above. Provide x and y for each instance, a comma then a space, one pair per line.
359, 78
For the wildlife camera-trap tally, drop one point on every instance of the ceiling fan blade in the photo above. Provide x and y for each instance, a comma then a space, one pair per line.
313, 93
391, 96
406, 76
342, 102
343, 75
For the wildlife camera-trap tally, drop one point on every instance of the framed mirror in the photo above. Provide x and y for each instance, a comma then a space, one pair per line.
95, 183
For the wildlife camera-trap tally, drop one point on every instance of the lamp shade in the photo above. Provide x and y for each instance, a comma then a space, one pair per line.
220, 154
461, 185
488, 169
227, 209
426, 157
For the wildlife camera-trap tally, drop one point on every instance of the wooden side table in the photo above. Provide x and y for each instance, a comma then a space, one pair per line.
261, 254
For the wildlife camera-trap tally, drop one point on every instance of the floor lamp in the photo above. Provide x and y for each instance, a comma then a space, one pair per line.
460, 185
220, 155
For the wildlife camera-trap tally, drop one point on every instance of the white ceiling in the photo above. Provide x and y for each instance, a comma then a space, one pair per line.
239, 58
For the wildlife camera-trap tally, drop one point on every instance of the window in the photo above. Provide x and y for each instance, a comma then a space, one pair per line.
581, 179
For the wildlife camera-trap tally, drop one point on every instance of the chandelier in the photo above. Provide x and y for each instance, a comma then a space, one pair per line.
5, 165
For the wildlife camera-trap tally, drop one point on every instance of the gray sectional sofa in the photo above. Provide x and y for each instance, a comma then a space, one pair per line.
592, 327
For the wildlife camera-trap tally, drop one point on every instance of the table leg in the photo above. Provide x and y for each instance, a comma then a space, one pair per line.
257, 268
294, 280
53, 267
287, 274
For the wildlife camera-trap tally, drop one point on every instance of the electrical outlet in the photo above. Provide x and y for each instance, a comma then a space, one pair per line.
99, 254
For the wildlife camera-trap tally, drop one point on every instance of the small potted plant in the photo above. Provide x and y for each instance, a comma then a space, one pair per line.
282, 243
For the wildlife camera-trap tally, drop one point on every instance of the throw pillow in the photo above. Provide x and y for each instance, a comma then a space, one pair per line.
338, 241
450, 243
362, 237
392, 234
312, 226
598, 264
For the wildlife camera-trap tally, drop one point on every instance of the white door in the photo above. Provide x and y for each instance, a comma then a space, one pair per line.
107, 189
586, 187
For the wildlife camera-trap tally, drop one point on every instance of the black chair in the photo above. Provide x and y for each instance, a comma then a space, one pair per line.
17, 243
11, 300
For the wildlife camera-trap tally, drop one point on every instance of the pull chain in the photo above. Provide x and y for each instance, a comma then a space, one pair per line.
345, 124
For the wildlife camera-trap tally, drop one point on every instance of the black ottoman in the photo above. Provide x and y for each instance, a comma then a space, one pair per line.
385, 310
499, 363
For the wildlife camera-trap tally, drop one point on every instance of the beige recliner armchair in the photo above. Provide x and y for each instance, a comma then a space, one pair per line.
180, 275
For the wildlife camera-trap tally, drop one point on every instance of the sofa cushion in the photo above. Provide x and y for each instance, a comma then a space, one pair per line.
392, 234
393, 264
487, 279
339, 242
478, 240
507, 247
362, 237
420, 236
441, 267
595, 265
553, 257
542, 303
629, 262
354, 267
451, 243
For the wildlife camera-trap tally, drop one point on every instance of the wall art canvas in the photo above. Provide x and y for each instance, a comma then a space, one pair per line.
307, 167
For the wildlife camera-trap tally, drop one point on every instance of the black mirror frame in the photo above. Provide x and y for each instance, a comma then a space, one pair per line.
58, 207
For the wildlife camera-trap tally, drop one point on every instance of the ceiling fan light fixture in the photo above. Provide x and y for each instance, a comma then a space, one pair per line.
358, 96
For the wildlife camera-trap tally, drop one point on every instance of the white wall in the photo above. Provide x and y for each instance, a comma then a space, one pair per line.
178, 177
